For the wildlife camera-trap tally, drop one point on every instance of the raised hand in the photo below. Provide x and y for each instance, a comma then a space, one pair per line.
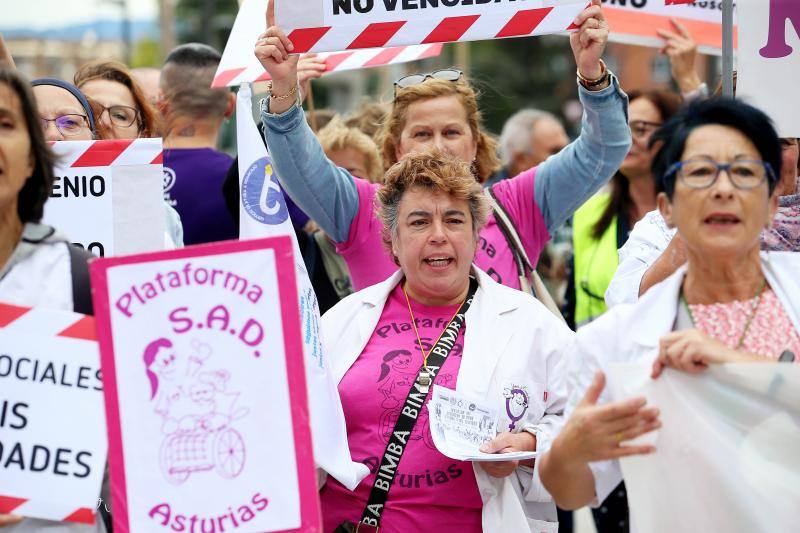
589, 42
273, 49
682, 52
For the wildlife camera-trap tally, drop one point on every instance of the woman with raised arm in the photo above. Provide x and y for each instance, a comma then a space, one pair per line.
440, 110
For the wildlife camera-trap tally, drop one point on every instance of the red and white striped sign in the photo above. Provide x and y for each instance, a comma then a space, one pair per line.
239, 64
325, 25
119, 152
335, 62
108, 195
638, 23
54, 446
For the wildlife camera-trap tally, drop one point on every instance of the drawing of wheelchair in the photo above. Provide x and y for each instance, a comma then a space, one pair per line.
184, 452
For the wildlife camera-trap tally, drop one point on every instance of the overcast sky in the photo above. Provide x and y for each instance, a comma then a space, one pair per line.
41, 14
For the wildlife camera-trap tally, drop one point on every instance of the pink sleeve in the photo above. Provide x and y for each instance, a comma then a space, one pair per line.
366, 222
516, 196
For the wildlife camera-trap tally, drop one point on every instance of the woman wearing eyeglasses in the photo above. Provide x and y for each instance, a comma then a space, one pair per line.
65, 112
440, 110
123, 112
121, 105
601, 226
717, 173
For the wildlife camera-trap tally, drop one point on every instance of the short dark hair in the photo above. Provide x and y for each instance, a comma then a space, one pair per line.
196, 55
186, 83
37, 188
751, 122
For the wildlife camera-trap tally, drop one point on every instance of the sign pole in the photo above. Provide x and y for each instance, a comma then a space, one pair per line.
727, 48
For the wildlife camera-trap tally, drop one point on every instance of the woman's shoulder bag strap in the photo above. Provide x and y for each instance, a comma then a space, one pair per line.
529, 279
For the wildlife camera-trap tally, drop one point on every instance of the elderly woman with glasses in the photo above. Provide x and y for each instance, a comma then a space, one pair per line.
441, 110
441, 320
65, 112
717, 172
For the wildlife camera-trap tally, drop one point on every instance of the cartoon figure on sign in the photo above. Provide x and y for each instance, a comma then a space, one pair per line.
516, 404
196, 410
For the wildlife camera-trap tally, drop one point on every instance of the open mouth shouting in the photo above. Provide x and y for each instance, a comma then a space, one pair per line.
439, 261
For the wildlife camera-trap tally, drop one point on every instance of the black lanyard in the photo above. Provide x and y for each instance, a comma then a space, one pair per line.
384, 477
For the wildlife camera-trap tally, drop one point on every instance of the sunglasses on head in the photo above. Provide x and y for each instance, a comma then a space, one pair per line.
448, 74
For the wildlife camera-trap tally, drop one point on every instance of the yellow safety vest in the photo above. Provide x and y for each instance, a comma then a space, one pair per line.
596, 260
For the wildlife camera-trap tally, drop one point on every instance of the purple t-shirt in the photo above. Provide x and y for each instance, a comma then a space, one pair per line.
193, 179
369, 262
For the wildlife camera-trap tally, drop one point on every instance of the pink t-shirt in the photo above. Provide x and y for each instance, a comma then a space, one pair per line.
370, 263
431, 492
770, 331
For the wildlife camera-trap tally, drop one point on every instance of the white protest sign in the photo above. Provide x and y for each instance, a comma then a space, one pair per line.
262, 213
239, 64
460, 425
335, 25
52, 423
205, 390
637, 22
727, 453
108, 195
769, 60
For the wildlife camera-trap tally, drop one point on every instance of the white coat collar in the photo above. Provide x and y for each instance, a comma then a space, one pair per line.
657, 309
486, 334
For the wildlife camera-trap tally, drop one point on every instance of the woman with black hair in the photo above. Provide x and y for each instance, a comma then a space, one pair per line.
38, 267
717, 175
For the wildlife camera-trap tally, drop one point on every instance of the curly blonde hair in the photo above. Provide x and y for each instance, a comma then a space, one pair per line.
486, 161
336, 136
434, 171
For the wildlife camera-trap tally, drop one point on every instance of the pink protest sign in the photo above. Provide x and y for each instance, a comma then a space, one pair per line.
206, 405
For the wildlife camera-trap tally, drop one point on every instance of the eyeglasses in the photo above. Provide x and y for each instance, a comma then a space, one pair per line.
702, 173
121, 115
69, 125
640, 128
448, 74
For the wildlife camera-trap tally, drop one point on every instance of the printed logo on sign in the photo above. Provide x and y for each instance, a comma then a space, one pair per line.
168, 184
169, 179
261, 195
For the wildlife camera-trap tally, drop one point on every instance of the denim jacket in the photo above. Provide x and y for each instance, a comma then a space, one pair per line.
563, 182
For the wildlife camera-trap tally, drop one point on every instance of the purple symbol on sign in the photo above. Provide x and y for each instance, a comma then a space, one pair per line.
197, 411
516, 404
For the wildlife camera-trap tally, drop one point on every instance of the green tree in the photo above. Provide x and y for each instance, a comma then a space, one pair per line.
146, 53
205, 21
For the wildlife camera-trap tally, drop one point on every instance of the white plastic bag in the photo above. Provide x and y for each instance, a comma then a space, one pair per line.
728, 455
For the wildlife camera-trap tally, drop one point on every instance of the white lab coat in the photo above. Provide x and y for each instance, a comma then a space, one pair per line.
630, 333
510, 339
646, 242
